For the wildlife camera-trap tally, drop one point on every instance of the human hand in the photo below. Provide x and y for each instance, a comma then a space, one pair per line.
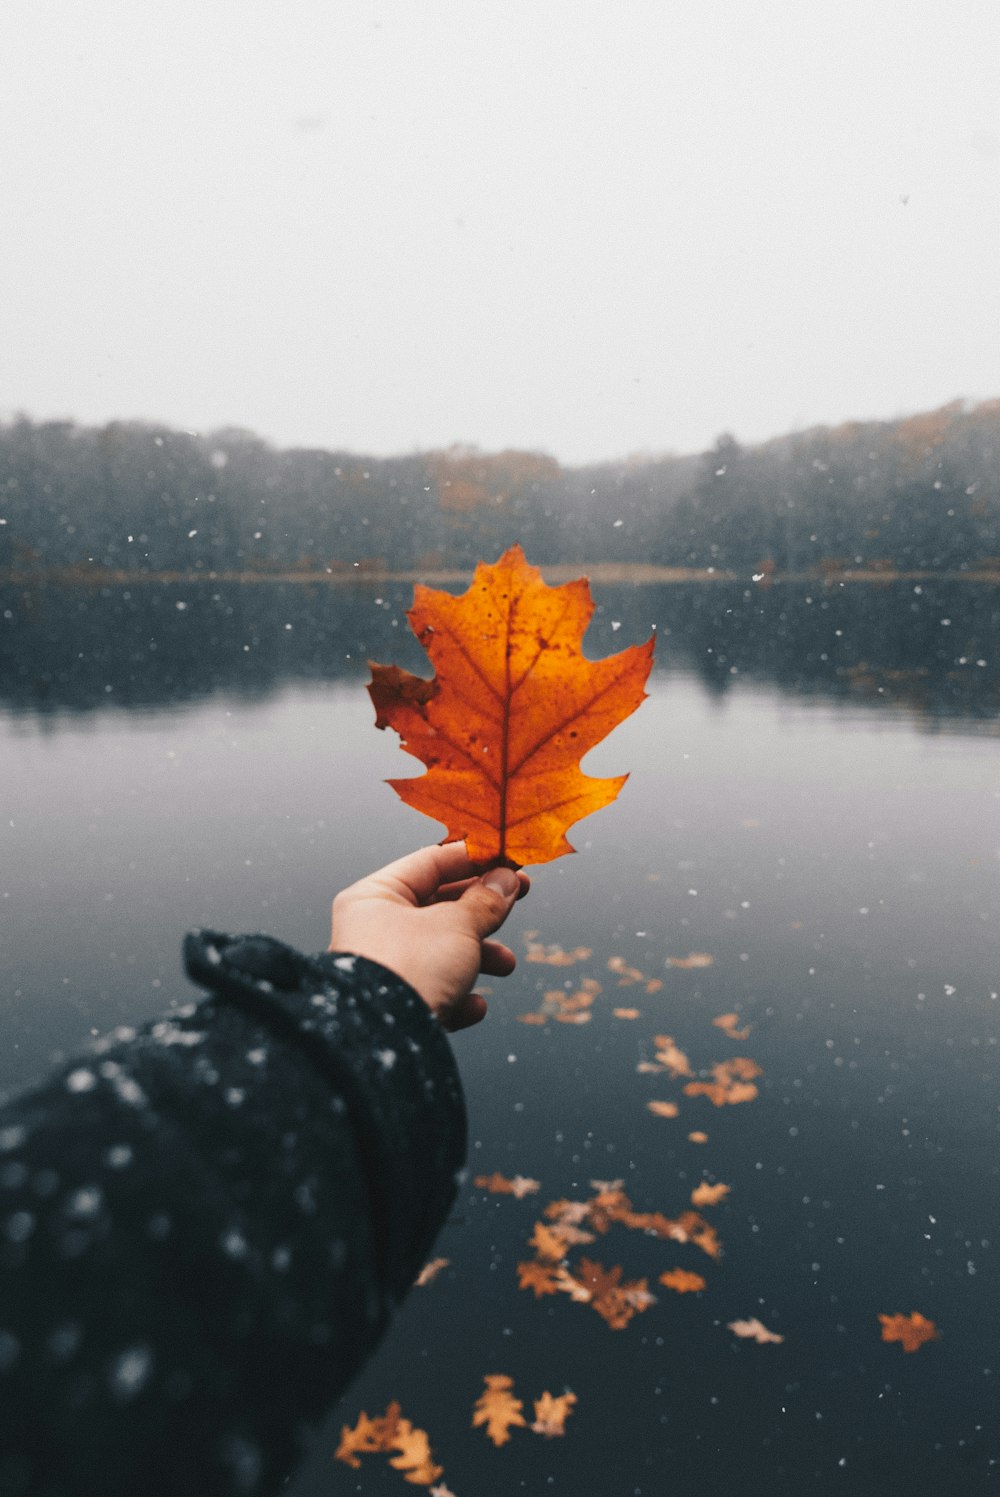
427, 917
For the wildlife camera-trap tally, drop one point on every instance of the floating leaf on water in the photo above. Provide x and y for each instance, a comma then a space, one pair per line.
729, 1024
753, 1330
430, 1271
551, 1413
911, 1331
708, 1195
499, 1185
682, 1281
497, 1410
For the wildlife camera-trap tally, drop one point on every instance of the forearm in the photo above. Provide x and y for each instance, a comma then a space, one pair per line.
205, 1226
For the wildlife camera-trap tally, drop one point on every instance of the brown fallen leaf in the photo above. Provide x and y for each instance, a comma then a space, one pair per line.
415, 1459
513, 707
663, 1109
540, 1275
390, 1433
608, 1204
430, 1271
626, 975
497, 1409
551, 1413
729, 1024
731, 1084
708, 1195
553, 955
691, 962
754, 1330
582, 997
671, 1057
690, 1227
682, 1281
498, 1185
548, 1242
637, 1295
365, 1438
740, 1065
572, 1213
910, 1330
616, 1302
567, 1008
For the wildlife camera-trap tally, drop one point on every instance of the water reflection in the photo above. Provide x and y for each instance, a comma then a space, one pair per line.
838, 867
924, 649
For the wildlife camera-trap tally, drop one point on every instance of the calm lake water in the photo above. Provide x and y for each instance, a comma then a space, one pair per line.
814, 804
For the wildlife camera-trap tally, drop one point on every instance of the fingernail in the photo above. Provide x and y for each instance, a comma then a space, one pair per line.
503, 881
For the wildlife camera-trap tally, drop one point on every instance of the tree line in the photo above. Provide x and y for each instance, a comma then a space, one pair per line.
916, 493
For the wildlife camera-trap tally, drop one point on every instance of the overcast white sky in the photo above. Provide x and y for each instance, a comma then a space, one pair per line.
586, 226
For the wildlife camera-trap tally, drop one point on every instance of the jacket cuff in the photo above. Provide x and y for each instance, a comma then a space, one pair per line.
387, 1061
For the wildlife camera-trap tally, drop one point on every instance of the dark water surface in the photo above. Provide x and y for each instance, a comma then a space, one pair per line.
814, 802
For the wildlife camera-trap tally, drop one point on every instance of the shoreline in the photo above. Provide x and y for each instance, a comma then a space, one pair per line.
636, 574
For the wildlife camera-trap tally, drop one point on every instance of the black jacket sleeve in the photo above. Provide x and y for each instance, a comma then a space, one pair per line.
204, 1225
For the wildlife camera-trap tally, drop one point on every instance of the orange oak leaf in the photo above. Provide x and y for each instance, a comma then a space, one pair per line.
708, 1195
549, 1243
682, 1281
614, 1301
414, 1459
910, 1330
497, 1409
539, 1275
363, 1439
510, 712
551, 1413
498, 1185
390, 1433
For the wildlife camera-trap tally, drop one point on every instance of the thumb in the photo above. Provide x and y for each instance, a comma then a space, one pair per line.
488, 901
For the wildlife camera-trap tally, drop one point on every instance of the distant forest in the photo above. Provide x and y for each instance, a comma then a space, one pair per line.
918, 493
